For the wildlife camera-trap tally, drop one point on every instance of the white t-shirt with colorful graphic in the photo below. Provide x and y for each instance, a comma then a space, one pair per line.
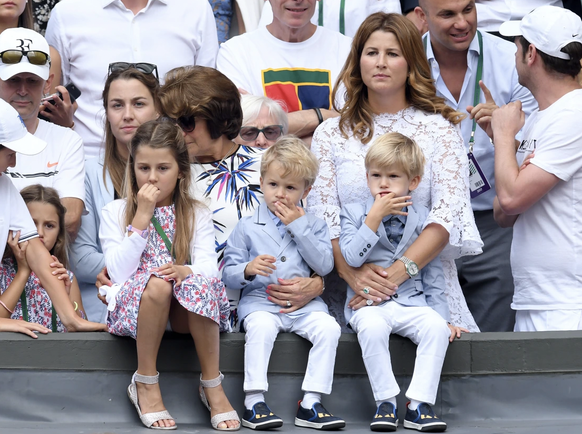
300, 74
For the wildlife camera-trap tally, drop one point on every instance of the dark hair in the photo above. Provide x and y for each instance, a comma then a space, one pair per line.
553, 64
204, 93
113, 163
356, 116
48, 195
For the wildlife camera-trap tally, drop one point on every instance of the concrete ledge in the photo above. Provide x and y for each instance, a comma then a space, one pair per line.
473, 354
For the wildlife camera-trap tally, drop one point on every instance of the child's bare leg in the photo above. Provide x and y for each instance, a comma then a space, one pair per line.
39, 261
206, 335
151, 323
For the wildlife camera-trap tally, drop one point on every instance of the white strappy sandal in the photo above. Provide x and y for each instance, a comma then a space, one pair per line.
222, 417
147, 419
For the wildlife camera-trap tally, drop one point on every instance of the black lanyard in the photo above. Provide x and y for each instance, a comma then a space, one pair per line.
477, 94
342, 17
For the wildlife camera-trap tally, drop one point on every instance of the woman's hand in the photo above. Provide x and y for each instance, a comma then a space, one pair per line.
61, 273
62, 111
293, 294
174, 272
19, 326
456, 332
369, 282
19, 250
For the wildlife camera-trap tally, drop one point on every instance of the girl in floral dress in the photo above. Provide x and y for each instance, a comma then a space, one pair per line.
23, 296
159, 251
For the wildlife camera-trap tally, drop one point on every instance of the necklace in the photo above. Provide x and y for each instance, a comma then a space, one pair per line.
217, 168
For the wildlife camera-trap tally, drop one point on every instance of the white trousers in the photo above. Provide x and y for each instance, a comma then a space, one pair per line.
262, 329
423, 326
545, 320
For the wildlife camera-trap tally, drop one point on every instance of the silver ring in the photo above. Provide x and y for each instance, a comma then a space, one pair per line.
366, 290
369, 302
288, 303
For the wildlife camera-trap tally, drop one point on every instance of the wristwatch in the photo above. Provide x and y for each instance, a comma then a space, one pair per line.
411, 266
142, 233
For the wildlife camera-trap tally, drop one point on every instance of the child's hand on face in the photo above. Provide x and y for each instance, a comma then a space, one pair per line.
288, 211
263, 265
147, 197
19, 250
61, 273
389, 204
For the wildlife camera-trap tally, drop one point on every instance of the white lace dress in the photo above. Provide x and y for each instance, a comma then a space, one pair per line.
444, 188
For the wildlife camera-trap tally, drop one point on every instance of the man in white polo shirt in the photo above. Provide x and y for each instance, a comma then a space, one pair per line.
91, 34
24, 76
543, 200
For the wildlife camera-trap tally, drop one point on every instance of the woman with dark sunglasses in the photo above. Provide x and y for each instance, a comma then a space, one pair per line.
206, 105
130, 98
264, 121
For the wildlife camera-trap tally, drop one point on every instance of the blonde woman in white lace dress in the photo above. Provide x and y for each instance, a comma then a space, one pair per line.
388, 88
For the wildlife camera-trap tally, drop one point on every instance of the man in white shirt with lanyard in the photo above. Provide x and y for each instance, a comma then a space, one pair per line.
543, 199
460, 57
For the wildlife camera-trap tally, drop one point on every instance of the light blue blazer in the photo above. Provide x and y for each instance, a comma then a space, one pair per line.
85, 253
360, 245
306, 247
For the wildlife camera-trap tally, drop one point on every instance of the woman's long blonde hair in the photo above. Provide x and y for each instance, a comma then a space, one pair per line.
357, 116
164, 134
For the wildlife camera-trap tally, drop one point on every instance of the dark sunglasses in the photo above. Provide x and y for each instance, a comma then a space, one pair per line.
271, 132
146, 68
11, 57
186, 123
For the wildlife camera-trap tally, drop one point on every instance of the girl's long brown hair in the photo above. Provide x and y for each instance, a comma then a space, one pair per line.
48, 195
164, 134
113, 163
357, 116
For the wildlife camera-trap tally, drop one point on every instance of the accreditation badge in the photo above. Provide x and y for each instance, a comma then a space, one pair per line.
478, 183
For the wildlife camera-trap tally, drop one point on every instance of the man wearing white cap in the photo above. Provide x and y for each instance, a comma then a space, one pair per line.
475, 72
24, 74
15, 222
543, 200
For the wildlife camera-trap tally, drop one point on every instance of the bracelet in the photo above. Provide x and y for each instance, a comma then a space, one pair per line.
319, 115
322, 281
83, 316
6, 307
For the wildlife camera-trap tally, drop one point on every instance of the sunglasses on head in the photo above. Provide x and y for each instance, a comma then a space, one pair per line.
146, 68
271, 132
11, 57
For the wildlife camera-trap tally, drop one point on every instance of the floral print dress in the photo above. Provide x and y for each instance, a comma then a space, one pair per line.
197, 294
38, 302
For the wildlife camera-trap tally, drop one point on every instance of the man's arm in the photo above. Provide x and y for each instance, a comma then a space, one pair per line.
74, 208
517, 190
303, 123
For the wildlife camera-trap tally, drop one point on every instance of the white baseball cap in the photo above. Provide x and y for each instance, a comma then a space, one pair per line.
19, 40
13, 132
548, 28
